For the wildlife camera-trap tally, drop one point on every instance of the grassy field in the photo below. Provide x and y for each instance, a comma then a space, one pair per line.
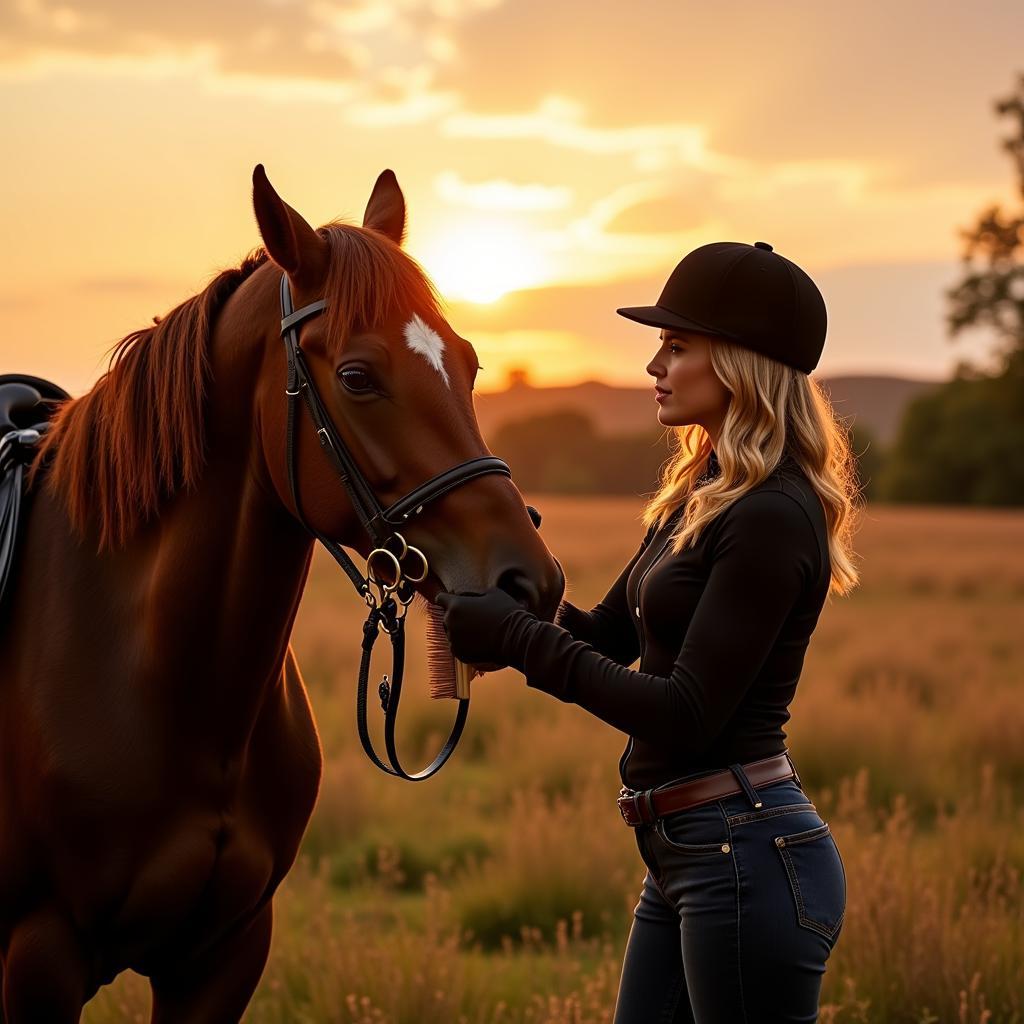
502, 890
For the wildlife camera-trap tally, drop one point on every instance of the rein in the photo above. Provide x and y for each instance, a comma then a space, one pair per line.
388, 606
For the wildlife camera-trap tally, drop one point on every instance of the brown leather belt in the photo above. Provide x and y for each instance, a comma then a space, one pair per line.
644, 807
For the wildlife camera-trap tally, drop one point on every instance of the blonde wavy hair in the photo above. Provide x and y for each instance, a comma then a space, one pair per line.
774, 409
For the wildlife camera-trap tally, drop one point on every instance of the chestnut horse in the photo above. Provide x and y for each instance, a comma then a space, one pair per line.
160, 759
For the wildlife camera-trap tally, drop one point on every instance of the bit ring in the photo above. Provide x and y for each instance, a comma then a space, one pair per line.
385, 587
423, 559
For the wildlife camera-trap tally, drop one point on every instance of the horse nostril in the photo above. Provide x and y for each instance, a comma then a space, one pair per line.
518, 585
534, 515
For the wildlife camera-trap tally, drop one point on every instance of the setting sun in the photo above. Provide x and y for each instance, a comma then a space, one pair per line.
483, 260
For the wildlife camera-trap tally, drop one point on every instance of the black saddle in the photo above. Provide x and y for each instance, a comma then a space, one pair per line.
26, 405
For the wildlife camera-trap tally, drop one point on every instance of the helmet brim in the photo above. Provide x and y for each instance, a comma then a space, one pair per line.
659, 316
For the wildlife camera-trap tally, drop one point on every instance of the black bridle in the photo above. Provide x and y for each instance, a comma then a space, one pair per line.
388, 606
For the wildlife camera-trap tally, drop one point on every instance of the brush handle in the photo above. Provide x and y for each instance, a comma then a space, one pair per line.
463, 675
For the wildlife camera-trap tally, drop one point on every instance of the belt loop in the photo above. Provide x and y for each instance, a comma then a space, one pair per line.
745, 784
648, 803
796, 774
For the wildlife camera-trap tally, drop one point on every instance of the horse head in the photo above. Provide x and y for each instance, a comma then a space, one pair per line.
395, 381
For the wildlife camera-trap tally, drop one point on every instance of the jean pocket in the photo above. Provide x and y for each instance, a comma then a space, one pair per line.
817, 878
677, 829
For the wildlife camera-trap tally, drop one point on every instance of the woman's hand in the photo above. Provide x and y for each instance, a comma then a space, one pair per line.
475, 624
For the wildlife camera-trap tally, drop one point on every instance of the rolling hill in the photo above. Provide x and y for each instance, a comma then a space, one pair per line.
876, 402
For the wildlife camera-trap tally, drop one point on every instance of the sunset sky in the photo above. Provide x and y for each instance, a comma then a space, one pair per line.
557, 160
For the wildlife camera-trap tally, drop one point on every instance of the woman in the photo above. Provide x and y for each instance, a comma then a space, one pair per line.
748, 534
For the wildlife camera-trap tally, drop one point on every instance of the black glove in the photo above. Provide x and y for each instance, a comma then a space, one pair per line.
475, 624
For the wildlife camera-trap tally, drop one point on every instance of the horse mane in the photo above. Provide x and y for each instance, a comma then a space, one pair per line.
115, 454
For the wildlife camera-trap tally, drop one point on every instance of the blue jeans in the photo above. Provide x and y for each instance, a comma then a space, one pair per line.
740, 909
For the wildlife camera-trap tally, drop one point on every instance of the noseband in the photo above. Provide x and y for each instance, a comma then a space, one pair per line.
389, 604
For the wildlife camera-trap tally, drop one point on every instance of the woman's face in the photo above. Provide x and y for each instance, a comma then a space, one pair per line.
682, 368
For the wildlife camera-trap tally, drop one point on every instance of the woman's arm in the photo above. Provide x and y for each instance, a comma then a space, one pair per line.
608, 626
763, 555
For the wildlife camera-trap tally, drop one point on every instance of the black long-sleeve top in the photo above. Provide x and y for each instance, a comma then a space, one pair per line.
721, 630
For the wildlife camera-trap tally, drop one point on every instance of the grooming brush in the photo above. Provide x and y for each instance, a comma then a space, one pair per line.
449, 677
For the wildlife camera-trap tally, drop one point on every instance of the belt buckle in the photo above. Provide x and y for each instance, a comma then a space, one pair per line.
624, 795
627, 796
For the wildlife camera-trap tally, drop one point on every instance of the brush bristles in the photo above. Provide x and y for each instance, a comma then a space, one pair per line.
448, 677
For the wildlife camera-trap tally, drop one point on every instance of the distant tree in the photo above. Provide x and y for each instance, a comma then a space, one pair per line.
963, 442
993, 293
561, 452
518, 377
552, 452
870, 459
630, 463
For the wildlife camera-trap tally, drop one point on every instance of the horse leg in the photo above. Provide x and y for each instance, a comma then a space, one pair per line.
45, 972
215, 988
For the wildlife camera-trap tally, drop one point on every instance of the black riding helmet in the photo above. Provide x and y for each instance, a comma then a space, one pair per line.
748, 294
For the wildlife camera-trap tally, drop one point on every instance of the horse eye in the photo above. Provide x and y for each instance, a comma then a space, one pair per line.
356, 379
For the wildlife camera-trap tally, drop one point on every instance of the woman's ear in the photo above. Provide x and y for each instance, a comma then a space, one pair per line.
292, 244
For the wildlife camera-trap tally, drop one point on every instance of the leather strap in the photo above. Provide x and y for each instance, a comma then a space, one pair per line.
379, 524
296, 318
390, 694
644, 807
17, 449
442, 483
26, 405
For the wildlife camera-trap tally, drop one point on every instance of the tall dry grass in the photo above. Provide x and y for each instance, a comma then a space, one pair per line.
501, 890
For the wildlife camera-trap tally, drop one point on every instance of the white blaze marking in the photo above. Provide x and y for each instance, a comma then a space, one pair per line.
422, 338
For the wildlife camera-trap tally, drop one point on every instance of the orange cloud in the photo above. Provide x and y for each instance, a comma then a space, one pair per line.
499, 194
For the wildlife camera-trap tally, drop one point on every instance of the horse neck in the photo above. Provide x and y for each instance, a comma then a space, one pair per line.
228, 562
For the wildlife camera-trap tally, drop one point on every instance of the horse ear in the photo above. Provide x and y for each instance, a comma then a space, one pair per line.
385, 211
292, 244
